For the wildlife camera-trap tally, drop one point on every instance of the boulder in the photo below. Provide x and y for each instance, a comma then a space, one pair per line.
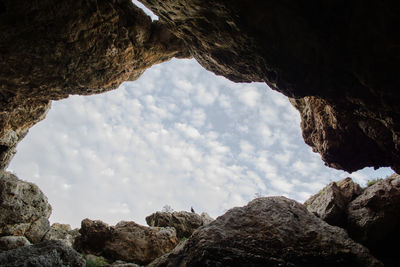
331, 202
12, 242
93, 236
374, 219
45, 254
126, 241
184, 222
271, 231
64, 232
24, 209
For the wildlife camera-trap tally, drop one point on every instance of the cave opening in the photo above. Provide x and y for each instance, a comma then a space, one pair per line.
178, 136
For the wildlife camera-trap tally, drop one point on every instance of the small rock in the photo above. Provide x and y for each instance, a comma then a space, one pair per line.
184, 222
12, 242
64, 232
45, 254
331, 202
132, 242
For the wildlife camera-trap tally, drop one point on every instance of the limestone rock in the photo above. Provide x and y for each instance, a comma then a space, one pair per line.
24, 209
64, 232
342, 55
374, 219
45, 254
184, 222
12, 242
140, 244
272, 231
331, 202
93, 236
126, 241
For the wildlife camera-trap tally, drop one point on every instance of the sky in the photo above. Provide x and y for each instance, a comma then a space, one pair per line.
178, 136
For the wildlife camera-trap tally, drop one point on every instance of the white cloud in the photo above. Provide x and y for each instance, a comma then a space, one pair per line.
249, 96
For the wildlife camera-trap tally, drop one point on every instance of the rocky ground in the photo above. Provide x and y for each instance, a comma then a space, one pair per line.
342, 225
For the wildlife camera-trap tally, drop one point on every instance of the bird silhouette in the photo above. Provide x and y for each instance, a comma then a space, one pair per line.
191, 209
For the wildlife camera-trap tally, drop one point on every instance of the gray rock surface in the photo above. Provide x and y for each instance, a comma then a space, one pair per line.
184, 222
331, 202
12, 242
126, 241
374, 219
45, 254
63, 232
24, 209
272, 231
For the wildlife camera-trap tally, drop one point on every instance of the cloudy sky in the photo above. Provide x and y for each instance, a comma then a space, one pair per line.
178, 136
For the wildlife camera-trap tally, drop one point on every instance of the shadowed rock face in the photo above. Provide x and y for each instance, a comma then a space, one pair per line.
345, 54
50, 49
273, 231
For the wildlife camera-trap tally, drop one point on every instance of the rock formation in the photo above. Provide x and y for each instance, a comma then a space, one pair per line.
370, 216
185, 223
49, 253
331, 202
272, 231
373, 219
126, 241
24, 210
50, 49
63, 232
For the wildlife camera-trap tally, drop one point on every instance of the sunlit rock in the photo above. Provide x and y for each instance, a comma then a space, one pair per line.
24, 209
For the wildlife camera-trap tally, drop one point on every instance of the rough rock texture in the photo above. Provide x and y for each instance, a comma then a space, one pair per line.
272, 231
184, 222
331, 202
374, 219
50, 49
15, 124
24, 209
63, 232
12, 242
342, 55
126, 241
45, 254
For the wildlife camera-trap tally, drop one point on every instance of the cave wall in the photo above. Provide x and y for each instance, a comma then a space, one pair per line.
336, 60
